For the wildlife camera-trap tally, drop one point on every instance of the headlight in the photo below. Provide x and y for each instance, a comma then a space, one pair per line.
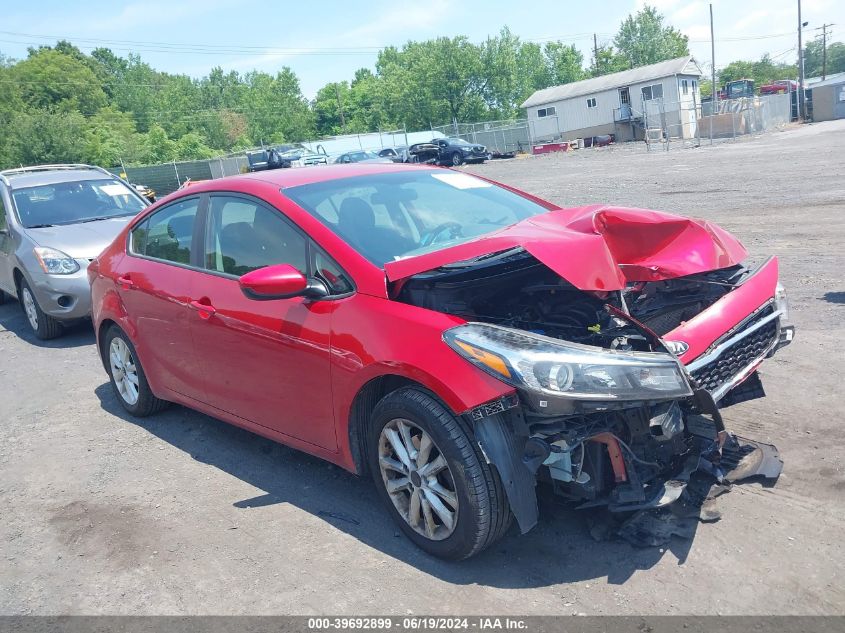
568, 370
55, 262
781, 303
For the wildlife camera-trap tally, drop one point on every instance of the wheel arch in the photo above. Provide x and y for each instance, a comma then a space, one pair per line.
102, 328
366, 399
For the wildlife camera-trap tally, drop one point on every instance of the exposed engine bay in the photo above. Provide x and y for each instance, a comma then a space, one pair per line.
632, 440
515, 290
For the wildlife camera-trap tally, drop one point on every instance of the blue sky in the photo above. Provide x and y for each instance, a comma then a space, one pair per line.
192, 36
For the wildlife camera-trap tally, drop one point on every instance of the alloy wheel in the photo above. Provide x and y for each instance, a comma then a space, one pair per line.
123, 370
418, 479
30, 308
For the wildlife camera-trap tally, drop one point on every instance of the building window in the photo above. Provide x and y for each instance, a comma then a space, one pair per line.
591, 102
694, 85
548, 111
655, 91
685, 86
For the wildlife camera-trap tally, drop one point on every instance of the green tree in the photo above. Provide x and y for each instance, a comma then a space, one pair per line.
110, 137
157, 146
565, 63
814, 58
49, 79
330, 100
643, 39
192, 147
763, 71
275, 109
606, 60
135, 89
42, 136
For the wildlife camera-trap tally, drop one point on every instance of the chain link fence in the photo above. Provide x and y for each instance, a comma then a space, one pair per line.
665, 124
499, 137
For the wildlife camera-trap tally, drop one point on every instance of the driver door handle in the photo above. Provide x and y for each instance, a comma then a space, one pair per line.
125, 282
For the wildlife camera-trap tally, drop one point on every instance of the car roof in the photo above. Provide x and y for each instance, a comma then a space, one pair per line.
49, 175
284, 178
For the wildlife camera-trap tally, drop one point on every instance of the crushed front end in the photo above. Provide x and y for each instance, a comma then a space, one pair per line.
618, 394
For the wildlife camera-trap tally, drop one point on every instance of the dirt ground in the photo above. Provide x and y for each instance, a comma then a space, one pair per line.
183, 514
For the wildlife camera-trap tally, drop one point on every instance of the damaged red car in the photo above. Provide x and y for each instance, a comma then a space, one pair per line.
455, 339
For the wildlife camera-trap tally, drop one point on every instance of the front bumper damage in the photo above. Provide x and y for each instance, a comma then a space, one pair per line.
706, 456
656, 483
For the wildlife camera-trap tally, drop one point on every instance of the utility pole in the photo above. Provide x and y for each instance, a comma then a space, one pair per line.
801, 105
340, 107
713, 60
596, 52
824, 50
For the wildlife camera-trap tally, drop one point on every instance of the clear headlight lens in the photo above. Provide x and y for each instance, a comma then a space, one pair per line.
559, 368
55, 262
781, 302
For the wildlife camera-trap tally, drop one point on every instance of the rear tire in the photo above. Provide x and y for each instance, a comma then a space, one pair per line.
456, 159
127, 375
43, 325
464, 485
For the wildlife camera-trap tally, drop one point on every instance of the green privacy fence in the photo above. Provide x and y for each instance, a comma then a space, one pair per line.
168, 177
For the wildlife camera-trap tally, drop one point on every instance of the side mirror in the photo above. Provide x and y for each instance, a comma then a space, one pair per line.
281, 281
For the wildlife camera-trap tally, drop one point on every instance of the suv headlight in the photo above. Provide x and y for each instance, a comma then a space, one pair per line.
55, 262
568, 370
781, 303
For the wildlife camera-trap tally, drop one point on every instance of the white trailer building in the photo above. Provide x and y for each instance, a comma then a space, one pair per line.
664, 95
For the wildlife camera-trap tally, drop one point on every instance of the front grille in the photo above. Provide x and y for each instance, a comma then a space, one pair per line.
739, 355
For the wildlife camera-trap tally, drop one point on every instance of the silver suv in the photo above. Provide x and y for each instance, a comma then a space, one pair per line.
54, 219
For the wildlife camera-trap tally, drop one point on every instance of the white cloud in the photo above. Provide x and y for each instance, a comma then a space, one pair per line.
401, 18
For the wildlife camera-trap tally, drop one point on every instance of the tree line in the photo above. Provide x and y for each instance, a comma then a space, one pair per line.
63, 105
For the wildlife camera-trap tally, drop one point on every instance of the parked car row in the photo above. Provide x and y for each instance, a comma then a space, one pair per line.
456, 340
284, 156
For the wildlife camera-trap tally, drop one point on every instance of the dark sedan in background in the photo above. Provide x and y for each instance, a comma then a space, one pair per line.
449, 151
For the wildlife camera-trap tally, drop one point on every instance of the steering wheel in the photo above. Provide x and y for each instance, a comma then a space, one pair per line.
430, 237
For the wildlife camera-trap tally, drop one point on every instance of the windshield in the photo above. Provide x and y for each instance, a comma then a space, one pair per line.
389, 216
73, 202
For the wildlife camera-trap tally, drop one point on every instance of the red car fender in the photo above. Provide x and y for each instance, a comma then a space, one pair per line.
369, 340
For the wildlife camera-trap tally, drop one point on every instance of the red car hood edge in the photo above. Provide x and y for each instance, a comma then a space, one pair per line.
599, 247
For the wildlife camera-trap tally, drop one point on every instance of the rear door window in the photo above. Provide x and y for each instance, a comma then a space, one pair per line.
167, 234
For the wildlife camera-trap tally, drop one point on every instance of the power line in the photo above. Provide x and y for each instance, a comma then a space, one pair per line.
242, 49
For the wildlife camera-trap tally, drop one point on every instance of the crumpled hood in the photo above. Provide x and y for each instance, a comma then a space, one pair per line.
80, 241
599, 247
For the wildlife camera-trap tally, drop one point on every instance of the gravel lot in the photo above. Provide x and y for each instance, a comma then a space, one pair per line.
183, 514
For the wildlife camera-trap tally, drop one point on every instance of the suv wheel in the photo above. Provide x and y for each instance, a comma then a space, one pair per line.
457, 159
43, 325
437, 486
127, 375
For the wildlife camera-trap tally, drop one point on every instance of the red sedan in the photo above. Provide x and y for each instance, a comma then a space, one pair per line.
456, 339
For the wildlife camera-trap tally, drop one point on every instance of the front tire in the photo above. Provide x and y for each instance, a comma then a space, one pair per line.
127, 375
43, 325
457, 159
432, 477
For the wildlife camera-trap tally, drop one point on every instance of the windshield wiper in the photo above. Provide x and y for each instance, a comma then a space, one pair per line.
103, 217
466, 263
40, 226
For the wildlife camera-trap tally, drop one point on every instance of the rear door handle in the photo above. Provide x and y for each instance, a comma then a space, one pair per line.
205, 309
125, 282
